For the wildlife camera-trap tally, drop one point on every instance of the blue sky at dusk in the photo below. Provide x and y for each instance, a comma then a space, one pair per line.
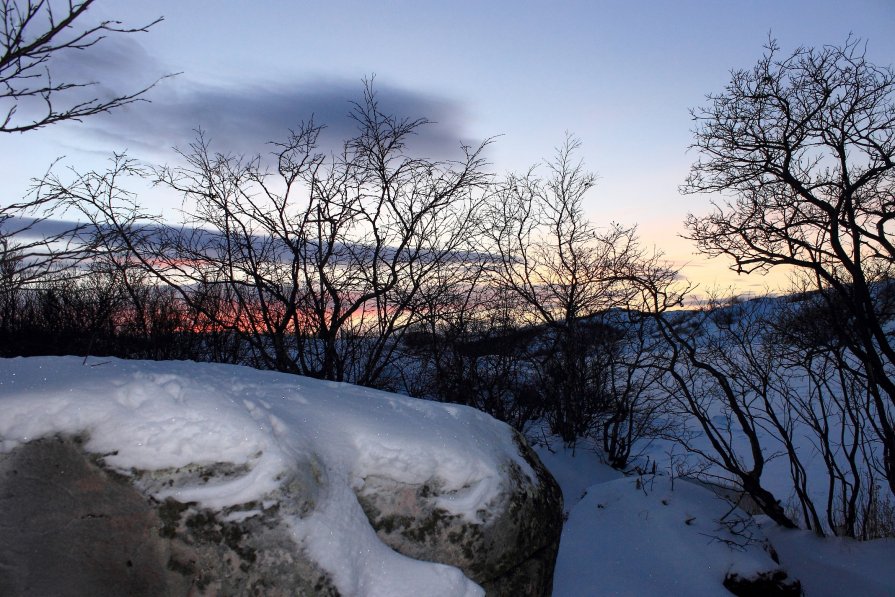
618, 75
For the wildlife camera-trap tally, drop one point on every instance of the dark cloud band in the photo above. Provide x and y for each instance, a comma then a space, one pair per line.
242, 119
242, 116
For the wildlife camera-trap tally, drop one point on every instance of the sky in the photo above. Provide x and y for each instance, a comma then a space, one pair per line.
620, 76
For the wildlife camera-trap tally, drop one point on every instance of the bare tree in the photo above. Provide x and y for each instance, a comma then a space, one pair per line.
632, 407
765, 380
805, 143
566, 272
828, 396
31, 246
471, 348
319, 264
716, 381
33, 249
34, 35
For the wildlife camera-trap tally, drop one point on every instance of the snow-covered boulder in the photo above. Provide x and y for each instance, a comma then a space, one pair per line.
125, 477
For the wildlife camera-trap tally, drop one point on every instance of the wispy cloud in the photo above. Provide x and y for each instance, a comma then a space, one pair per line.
242, 116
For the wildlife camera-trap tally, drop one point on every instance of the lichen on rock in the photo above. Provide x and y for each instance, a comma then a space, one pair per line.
509, 550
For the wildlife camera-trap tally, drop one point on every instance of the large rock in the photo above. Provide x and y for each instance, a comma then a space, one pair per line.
72, 527
140, 478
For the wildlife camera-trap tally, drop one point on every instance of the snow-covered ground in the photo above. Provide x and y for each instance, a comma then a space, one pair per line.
637, 535
651, 535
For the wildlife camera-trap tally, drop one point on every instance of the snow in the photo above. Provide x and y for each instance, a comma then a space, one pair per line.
160, 415
833, 566
630, 536
645, 536
635, 535
574, 470
362, 563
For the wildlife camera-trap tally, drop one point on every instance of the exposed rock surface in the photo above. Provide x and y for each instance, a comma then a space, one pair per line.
765, 584
69, 527
510, 552
72, 527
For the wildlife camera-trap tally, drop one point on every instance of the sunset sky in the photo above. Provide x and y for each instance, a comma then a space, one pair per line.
618, 75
